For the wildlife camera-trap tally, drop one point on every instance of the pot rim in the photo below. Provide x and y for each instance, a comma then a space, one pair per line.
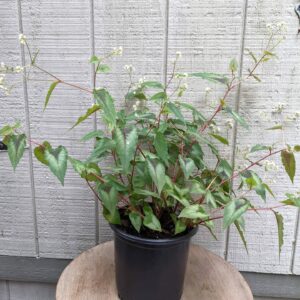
119, 232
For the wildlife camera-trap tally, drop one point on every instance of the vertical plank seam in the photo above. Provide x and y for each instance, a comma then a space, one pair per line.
27, 120
7, 287
237, 107
295, 242
92, 52
166, 42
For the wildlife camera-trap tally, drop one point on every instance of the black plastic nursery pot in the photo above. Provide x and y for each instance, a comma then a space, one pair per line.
149, 269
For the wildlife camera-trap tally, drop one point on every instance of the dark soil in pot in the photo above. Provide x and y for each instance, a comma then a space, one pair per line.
150, 269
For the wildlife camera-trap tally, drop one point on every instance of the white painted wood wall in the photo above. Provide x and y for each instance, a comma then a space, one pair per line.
40, 218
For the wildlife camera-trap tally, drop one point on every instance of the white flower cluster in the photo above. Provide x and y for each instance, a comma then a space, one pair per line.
22, 38
270, 165
182, 89
214, 129
139, 105
3, 85
129, 68
117, 51
278, 27
279, 108
294, 117
182, 75
229, 123
208, 90
178, 55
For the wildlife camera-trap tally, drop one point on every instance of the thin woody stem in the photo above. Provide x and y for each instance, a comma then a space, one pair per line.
96, 194
250, 209
62, 81
250, 166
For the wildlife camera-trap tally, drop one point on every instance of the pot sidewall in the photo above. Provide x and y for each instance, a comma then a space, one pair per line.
150, 269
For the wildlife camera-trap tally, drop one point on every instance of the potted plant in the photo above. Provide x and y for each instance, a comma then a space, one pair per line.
160, 186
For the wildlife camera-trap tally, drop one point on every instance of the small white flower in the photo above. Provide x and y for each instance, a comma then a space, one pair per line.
270, 165
178, 54
208, 89
129, 68
138, 103
18, 69
229, 123
142, 80
279, 107
281, 25
2, 65
269, 26
117, 51
2, 77
214, 128
22, 38
134, 107
185, 75
185, 86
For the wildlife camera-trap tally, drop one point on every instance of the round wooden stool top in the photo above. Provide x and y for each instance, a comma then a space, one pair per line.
91, 277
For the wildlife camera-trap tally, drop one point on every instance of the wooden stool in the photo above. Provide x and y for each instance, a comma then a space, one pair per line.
91, 277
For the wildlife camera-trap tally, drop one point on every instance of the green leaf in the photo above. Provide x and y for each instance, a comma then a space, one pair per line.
112, 218
241, 233
95, 59
233, 66
269, 190
276, 127
252, 55
51, 89
92, 135
236, 117
57, 161
220, 139
187, 166
136, 94
159, 96
234, 210
88, 113
150, 220
161, 147
259, 147
105, 100
103, 146
103, 69
292, 200
195, 211
213, 77
297, 148
255, 76
280, 226
110, 201
126, 149
88, 171
136, 220
158, 175
175, 110
289, 163
196, 114
210, 199
9, 130
180, 227
16, 147
153, 84
39, 152
224, 169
